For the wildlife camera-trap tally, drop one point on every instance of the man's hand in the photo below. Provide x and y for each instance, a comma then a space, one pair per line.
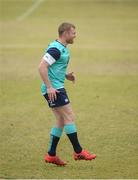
70, 77
52, 93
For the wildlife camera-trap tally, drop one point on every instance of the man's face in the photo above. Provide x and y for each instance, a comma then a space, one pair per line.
70, 35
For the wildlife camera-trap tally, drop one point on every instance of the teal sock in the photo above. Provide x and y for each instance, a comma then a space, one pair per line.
71, 131
70, 128
55, 135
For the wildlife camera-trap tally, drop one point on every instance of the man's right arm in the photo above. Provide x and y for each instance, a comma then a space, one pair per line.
43, 70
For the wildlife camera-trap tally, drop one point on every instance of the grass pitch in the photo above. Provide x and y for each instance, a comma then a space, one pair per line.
104, 98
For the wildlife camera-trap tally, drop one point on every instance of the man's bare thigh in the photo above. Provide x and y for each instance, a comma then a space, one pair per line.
66, 112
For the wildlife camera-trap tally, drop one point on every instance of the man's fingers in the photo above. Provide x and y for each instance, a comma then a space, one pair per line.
52, 96
49, 96
57, 91
73, 78
55, 96
70, 74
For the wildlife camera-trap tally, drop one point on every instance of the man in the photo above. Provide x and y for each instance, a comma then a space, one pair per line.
52, 70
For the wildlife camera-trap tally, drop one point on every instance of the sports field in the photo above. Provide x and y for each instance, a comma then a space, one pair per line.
104, 98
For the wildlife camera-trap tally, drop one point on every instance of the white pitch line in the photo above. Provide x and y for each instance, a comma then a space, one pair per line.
29, 11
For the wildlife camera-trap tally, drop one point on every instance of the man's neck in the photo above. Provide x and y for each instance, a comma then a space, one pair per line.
62, 41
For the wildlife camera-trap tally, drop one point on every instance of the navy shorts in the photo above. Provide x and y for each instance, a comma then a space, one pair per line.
62, 99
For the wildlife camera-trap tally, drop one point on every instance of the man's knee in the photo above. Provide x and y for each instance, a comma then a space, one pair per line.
69, 117
60, 123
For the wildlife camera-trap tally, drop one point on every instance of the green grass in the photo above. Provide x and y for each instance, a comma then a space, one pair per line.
104, 98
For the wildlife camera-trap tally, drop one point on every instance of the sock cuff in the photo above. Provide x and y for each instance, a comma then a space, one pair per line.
56, 131
70, 128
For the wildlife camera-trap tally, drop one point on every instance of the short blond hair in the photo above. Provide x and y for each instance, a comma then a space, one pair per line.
65, 27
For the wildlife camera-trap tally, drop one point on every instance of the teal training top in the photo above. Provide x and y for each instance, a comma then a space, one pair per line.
57, 56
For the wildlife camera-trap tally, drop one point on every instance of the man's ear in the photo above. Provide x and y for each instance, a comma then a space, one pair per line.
64, 33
